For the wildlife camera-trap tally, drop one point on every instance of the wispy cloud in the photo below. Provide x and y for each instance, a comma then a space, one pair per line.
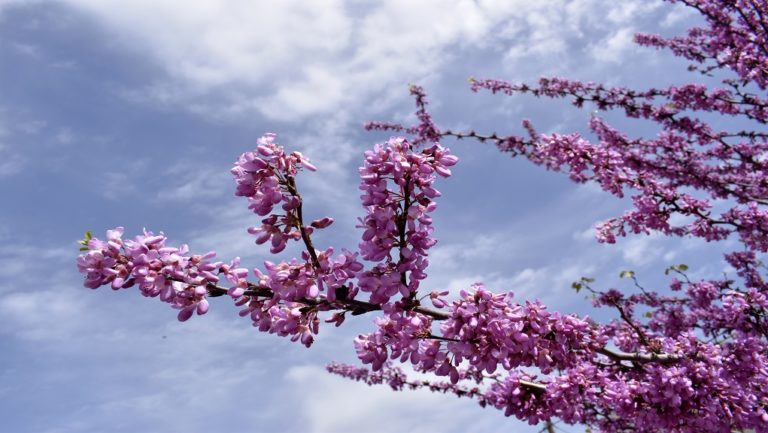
322, 396
641, 250
195, 183
615, 46
10, 164
27, 49
289, 60
14, 125
23, 264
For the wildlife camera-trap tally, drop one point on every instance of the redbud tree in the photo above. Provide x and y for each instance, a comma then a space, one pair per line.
695, 360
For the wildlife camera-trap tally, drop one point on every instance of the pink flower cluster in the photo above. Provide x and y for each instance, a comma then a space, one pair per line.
399, 334
424, 132
157, 270
485, 329
337, 273
513, 398
265, 178
277, 303
288, 319
492, 331
398, 196
393, 376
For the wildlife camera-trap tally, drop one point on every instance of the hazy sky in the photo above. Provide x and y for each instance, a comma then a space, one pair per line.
132, 112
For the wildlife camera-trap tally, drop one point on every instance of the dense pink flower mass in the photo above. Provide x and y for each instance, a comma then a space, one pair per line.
168, 273
692, 357
397, 218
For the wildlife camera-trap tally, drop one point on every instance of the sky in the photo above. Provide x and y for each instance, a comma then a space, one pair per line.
131, 113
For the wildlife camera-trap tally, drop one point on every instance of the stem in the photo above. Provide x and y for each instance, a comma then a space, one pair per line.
534, 385
291, 184
401, 226
355, 306
438, 337
361, 307
549, 426
628, 320
638, 357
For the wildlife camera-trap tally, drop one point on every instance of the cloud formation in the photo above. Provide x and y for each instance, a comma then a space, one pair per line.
293, 59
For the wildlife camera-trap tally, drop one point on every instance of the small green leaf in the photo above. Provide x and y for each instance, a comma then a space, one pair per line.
677, 268
576, 286
648, 314
84, 241
587, 280
626, 274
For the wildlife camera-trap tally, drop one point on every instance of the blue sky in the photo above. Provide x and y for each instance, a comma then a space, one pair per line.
131, 113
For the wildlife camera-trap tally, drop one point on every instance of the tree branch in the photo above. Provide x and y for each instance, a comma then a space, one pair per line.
357, 307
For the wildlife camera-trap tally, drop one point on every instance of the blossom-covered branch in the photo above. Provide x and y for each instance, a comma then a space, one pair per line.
690, 357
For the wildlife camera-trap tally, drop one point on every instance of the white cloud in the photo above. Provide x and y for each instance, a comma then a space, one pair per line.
550, 284
293, 59
209, 45
621, 13
15, 128
333, 404
22, 263
117, 185
10, 164
669, 256
32, 126
5, 4
65, 136
679, 14
194, 183
129, 361
28, 315
549, 31
641, 250
542, 28
212, 42
615, 46
229, 238
26, 49
584, 235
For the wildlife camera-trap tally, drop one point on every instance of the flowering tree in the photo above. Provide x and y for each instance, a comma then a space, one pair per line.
693, 358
